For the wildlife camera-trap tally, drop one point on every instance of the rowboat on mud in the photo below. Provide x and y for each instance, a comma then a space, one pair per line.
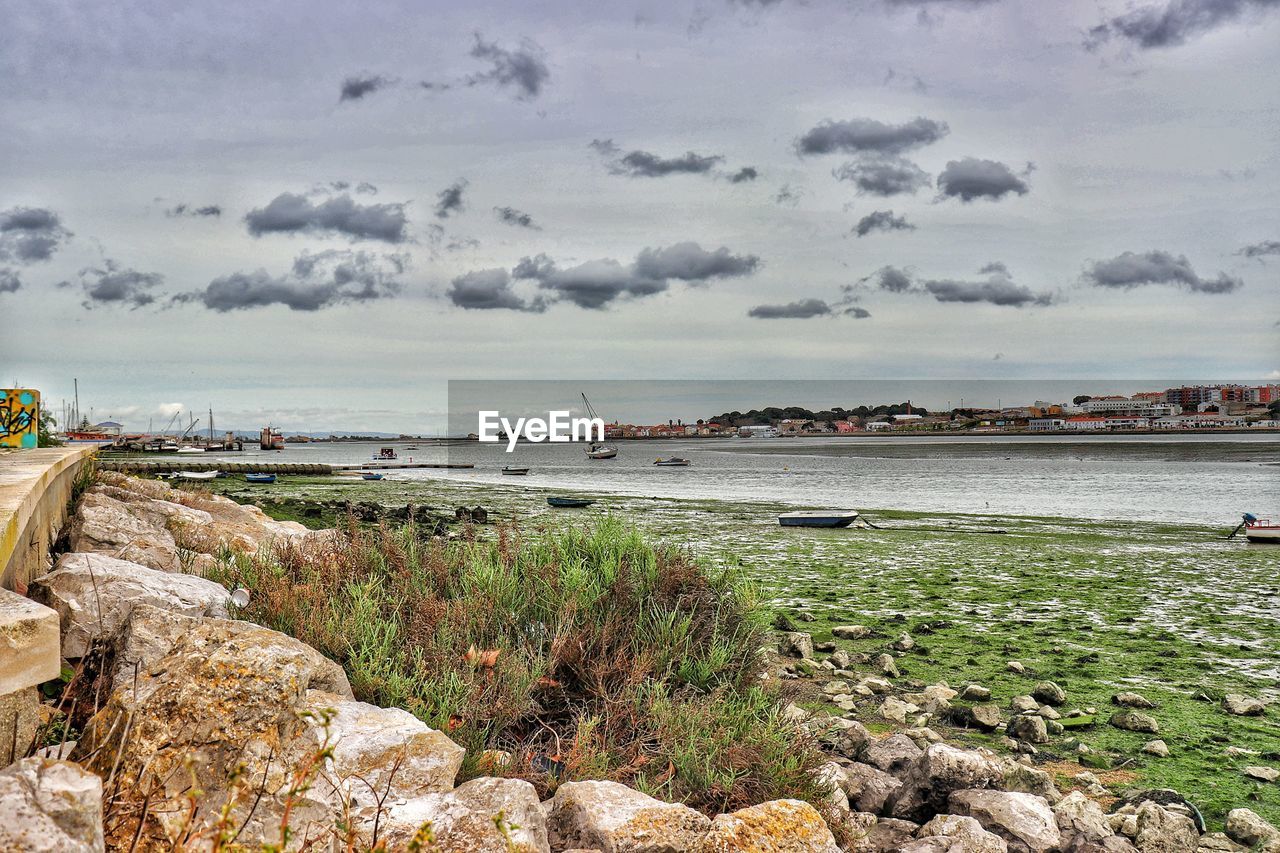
569, 503
1262, 530
259, 478
818, 518
193, 475
514, 471
673, 462
370, 475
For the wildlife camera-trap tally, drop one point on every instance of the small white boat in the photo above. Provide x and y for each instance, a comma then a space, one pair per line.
194, 475
190, 449
601, 451
673, 462
818, 518
1262, 530
512, 470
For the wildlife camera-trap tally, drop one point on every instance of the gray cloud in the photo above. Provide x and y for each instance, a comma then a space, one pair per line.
359, 85
30, 234
1134, 269
188, 210
690, 262
746, 173
972, 178
788, 195
997, 290
9, 280
1175, 22
289, 213
449, 201
490, 289
1260, 250
367, 188
801, 309
881, 220
317, 280
892, 279
869, 136
643, 164
597, 283
857, 312
511, 216
111, 284
523, 69
883, 176
995, 267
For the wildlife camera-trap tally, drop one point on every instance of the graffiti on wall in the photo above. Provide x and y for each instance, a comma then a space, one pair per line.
19, 417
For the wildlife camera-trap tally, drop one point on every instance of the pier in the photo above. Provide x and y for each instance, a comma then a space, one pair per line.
165, 466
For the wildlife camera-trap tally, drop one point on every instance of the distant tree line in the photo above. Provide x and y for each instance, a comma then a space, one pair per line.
773, 414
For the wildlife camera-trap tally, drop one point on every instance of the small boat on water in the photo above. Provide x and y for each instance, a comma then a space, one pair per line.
193, 475
569, 503
601, 451
370, 475
190, 449
259, 478
818, 518
513, 471
1261, 530
385, 454
673, 462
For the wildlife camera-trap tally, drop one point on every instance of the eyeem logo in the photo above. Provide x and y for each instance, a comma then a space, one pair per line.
558, 426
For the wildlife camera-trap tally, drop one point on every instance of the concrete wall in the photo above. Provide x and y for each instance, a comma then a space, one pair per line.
35, 487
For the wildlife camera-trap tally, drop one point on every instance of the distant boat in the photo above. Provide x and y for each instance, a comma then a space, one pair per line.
818, 518
371, 475
1261, 530
412, 447
384, 454
673, 462
189, 449
194, 475
569, 503
514, 471
596, 450
259, 478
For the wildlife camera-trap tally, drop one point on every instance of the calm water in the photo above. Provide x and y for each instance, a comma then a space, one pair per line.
1198, 478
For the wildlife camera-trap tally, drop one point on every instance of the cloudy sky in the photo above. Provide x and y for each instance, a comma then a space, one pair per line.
315, 213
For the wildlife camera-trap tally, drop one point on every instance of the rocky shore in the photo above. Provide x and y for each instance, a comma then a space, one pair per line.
199, 731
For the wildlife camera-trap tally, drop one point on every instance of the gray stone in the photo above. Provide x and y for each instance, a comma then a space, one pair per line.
778, 826
1129, 699
868, 788
50, 807
963, 834
482, 815
798, 644
1024, 821
1049, 693
1029, 728
616, 819
29, 643
1162, 830
1262, 774
1243, 706
851, 632
887, 665
1244, 826
938, 772
895, 710
891, 754
19, 723
975, 693
1024, 705
1158, 748
1135, 721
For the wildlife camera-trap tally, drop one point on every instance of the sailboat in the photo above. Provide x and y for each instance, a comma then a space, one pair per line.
596, 450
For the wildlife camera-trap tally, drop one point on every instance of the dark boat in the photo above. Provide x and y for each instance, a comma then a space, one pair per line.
259, 478
569, 503
673, 462
513, 470
371, 475
819, 518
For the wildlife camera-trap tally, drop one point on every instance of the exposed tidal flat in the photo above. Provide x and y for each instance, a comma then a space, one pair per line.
1172, 611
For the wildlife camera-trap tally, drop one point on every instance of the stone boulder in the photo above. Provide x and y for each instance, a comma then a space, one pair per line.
1243, 706
479, 816
94, 596
613, 818
892, 754
228, 703
797, 644
1049, 693
1162, 830
50, 807
1024, 821
936, 774
104, 525
1135, 721
867, 788
778, 826
1244, 826
1028, 727
962, 835
1085, 828
851, 632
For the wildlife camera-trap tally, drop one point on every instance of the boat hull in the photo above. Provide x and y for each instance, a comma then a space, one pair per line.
1264, 535
515, 472
259, 478
830, 519
569, 503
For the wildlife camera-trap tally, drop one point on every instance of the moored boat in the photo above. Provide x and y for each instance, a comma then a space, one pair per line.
818, 518
512, 470
673, 462
370, 475
1261, 530
601, 451
569, 503
190, 449
194, 475
259, 478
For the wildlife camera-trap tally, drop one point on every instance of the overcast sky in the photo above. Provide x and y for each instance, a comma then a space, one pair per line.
315, 213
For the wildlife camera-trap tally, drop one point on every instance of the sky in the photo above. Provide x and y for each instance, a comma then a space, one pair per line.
315, 214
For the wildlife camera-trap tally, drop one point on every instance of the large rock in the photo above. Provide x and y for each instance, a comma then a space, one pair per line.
1028, 727
226, 705
104, 525
963, 835
480, 816
94, 596
1085, 828
942, 769
796, 644
1024, 821
778, 826
892, 754
1243, 706
1049, 693
1135, 721
1162, 830
867, 788
1244, 826
52, 806
613, 818
851, 632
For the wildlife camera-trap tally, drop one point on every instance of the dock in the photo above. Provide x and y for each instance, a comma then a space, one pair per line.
165, 466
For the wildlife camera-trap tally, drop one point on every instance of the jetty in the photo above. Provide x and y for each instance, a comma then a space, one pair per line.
168, 466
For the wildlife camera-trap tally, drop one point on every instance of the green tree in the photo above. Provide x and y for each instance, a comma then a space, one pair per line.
45, 437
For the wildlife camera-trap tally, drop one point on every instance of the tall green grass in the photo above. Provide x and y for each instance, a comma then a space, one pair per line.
584, 653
